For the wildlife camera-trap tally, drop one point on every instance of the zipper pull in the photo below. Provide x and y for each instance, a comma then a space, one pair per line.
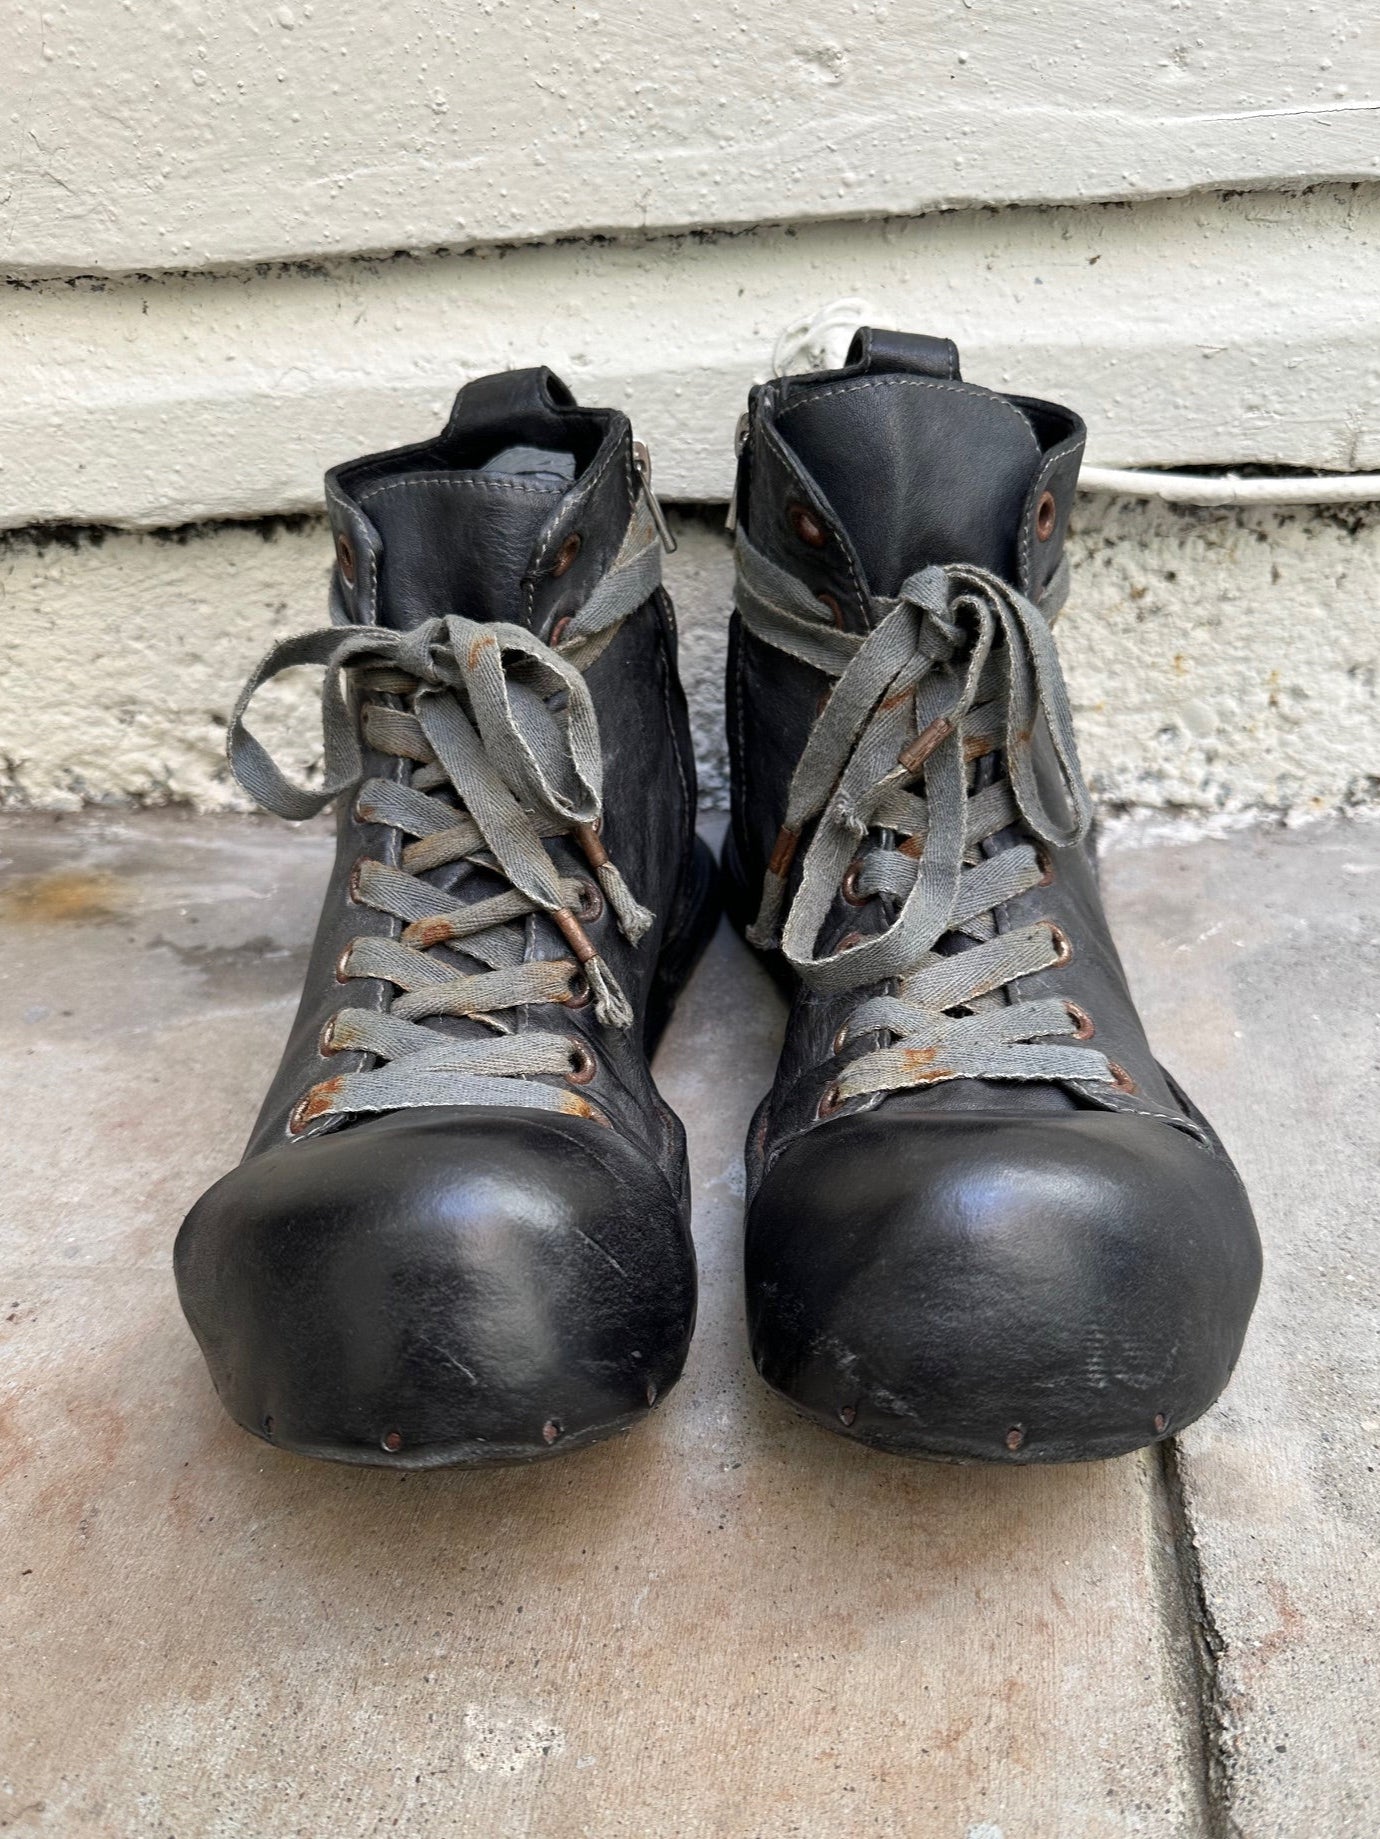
740, 441
642, 460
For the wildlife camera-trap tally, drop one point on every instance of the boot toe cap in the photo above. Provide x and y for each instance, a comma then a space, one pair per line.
439, 1286
988, 1288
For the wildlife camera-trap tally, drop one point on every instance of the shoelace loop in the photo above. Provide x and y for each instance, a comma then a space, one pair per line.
958, 664
504, 725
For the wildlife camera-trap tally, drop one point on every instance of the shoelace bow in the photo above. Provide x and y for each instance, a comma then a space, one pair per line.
956, 666
504, 724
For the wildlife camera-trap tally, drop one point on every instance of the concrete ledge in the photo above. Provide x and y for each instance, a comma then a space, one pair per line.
152, 402
1220, 662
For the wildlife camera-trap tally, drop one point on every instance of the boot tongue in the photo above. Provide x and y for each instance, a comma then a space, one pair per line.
917, 470
460, 541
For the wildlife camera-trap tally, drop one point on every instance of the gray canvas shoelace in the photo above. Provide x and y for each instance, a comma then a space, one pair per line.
503, 726
957, 666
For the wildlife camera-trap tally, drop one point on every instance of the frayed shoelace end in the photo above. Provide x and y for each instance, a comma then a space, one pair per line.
611, 1006
634, 919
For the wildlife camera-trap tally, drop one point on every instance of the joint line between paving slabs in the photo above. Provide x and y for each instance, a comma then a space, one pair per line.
1198, 1645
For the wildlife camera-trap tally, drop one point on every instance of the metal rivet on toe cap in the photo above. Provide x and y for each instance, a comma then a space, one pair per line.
848, 1414
1014, 1437
550, 1430
651, 1392
1161, 1423
392, 1441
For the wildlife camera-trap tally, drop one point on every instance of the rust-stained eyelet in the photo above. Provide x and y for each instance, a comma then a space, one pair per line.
1121, 1079
1046, 516
1063, 946
345, 556
841, 1039
849, 886
355, 873
836, 611
849, 940
579, 993
1083, 1029
565, 556
583, 1066
558, 631
297, 1117
591, 905
806, 526
831, 1100
1046, 862
342, 963
327, 1044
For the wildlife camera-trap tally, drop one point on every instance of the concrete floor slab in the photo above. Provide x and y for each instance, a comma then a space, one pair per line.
1257, 959
728, 1623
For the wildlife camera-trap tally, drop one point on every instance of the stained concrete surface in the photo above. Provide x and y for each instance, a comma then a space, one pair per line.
726, 1624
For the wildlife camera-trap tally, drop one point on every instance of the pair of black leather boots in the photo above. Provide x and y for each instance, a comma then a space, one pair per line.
983, 1222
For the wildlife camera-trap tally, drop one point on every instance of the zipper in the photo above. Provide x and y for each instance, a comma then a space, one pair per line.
642, 461
740, 441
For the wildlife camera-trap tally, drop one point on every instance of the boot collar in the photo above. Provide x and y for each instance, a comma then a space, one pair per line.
474, 522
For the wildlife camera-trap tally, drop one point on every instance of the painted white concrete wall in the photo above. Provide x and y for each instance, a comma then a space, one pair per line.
241, 243
1186, 331
176, 135
1220, 663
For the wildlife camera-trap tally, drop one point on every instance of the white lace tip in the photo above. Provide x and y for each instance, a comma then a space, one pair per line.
610, 1004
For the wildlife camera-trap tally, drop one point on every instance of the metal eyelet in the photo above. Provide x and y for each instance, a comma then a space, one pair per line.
830, 1101
352, 886
326, 1043
558, 631
836, 611
579, 996
1046, 516
841, 1039
849, 886
1121, 1079
302, 1113
345, 557
1063, 945
591, 905
850, 940
343, 973
806, 526
1046, 865
1084, 1028
565, 556
583, 1066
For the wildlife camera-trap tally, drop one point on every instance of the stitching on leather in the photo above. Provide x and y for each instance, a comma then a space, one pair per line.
895, 380
494, 483
768, 435
1055, 460
579, 495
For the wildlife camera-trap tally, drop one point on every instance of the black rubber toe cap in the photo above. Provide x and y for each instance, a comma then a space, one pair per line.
972, 1287
441, 1286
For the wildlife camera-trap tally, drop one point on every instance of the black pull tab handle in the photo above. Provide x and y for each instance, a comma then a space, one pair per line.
875, 349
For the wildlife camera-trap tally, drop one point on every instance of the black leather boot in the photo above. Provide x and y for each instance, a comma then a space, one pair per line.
460, 1232
983, 1221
